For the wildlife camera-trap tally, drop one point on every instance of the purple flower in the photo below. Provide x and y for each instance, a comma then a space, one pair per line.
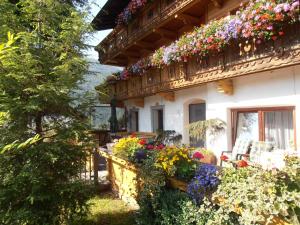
204, 182
286, 7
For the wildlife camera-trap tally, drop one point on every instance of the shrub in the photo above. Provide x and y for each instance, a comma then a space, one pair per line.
259, 195
38, 184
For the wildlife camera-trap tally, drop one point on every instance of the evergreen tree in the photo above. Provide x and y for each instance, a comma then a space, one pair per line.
38, 182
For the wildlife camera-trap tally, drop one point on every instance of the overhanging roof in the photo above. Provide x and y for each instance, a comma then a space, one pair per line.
106, 18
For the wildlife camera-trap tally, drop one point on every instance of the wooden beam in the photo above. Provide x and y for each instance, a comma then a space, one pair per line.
145, 44
186, 28
166, 33
169, 96
217, 3
188, 19
225, 86
139, 102
145, 52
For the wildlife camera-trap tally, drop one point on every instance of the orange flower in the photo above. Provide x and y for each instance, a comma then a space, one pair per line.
279, 17
242, 163
224, 157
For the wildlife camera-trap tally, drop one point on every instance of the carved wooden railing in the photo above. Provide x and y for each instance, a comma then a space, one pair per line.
241, 58
122, 37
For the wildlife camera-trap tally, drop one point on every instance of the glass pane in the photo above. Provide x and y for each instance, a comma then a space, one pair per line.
100, 118
279, 128
247, 126
121, 117
197, 112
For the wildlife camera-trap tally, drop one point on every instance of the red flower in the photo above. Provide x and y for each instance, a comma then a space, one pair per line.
150, 147
159, 147
133, 135
274, 38
142, 142
224, 157
281, 33
198, 155
242, 163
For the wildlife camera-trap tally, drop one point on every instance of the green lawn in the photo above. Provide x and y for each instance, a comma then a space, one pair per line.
107, 210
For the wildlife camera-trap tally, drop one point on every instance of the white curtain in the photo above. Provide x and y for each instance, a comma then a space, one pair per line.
279, 128
247, 126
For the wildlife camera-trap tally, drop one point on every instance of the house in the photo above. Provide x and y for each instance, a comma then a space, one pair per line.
191, 60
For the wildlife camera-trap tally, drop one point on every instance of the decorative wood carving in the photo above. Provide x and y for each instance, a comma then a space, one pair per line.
225, 86
169, 96
226, 65
253, 65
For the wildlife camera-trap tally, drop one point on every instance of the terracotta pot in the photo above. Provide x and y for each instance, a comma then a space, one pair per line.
209, 159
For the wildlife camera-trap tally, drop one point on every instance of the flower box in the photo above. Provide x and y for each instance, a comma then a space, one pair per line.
177, 184
123, 178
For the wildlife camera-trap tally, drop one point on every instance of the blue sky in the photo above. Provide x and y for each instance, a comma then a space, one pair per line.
96, 5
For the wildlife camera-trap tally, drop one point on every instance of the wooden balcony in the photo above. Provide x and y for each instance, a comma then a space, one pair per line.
238, 60
160, 23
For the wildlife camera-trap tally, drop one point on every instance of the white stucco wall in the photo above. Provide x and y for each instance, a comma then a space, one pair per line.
272, 88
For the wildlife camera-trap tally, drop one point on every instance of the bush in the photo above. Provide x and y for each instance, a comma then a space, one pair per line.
38, 184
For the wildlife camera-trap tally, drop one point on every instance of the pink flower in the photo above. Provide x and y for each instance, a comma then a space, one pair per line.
198, 155
150, 147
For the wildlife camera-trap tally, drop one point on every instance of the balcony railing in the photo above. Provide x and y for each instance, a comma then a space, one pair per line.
238, 60
123, 37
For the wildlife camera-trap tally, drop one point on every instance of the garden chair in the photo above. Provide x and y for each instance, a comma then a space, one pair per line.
241, 148
258, 148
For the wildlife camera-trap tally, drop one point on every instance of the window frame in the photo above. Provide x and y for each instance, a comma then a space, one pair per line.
261, 120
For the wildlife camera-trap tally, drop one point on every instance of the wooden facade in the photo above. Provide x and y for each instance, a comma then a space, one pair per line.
238, 60
158, 24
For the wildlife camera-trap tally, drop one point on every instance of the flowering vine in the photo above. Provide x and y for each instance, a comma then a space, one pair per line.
132, 8
259, 20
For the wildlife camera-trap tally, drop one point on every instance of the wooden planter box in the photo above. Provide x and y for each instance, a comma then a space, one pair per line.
123, 178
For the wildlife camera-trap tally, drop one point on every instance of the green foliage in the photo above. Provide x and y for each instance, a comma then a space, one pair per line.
163, 208
42, 127
38, 183
259, 195
206, 214
213, 126
153, 181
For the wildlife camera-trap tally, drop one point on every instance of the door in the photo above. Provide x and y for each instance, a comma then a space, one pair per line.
157, 118
134, 120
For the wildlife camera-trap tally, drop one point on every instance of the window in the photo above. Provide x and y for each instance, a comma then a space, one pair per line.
197, 112
276, 125
157, 118
134, 120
